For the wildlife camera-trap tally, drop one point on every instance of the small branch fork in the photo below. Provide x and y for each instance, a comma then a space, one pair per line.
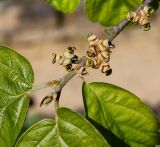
112, 32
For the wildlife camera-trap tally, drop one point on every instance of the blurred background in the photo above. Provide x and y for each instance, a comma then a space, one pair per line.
36, 30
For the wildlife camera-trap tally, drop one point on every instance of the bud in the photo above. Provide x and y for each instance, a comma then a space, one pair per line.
48, 99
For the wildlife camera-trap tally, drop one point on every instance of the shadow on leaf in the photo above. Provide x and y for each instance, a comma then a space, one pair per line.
113, 140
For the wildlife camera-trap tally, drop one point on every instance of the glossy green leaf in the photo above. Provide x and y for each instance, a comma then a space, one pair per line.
69, 130
109, 12
66, 6
115, 109
16, 78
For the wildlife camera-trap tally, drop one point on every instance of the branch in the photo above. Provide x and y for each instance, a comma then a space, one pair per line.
112, 32
70, 75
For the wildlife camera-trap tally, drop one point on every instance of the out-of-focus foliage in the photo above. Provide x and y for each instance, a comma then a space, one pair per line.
66, 6
109, 12
106, 12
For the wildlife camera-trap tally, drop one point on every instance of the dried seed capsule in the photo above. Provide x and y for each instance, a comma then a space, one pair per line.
96, 63
141, 20
54, 58
103, 45
100, 46
68, 55
109, 72
100, 57
136, 16
68, 67
67, 62
93, 40
133, 16
146, 27
103, 56
104, 67
74, 59
106, 56
90, 54
95, 50
89, 62
93, 43
48, 99
83, 71
130, 16
61, 60
143, 13
92, 37
71, 50
147, 10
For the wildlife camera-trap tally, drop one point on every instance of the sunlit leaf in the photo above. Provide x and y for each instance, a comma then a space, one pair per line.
69, 130
66, 6
121, 112
110, 12
16, 78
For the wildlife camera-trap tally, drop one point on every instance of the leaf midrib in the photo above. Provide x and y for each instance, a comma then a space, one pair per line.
105, 114
85, 132
121, 133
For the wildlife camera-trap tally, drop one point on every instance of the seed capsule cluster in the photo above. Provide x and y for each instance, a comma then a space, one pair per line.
98, 54
67, 59
97, 57
141, 17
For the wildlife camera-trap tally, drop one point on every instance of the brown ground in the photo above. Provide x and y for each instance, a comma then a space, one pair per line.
135, 60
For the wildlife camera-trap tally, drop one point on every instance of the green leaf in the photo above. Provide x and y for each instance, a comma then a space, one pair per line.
16, 78
110, 12
155, 4
69, 130
66, 6
121, 112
